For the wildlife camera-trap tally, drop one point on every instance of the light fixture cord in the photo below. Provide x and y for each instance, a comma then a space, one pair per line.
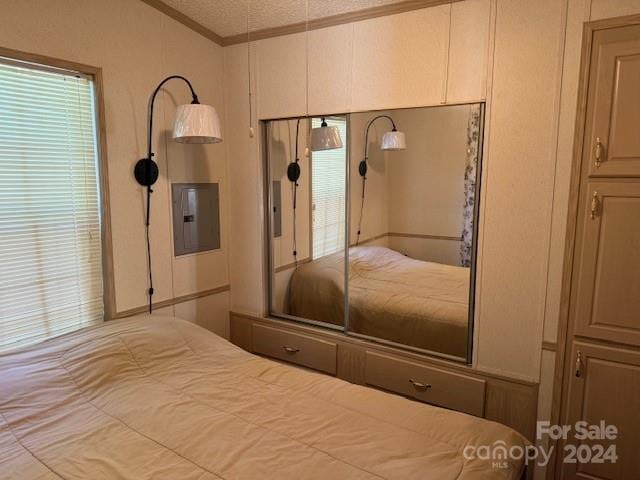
249, 68
295, 200
364, 181
306, 36
147, 223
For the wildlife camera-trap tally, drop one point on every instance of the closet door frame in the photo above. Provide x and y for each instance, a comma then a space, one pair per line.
564, 364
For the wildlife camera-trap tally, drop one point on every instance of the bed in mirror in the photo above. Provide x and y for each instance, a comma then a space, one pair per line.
413, 192
377, 235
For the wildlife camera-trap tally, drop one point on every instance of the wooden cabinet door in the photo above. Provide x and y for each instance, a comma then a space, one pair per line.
607, 388
606, 293
612, 135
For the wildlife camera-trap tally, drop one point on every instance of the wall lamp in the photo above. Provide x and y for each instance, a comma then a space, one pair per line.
194, 123
393, 140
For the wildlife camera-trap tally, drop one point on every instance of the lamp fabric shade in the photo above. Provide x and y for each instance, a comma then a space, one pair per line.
325, 138
197, 123
393, 140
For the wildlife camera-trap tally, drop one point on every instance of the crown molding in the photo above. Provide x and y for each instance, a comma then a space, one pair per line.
186, 21
299, 27
340, 19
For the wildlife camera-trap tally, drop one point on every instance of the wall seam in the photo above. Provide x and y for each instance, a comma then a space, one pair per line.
448, 64
555, 144
491, 48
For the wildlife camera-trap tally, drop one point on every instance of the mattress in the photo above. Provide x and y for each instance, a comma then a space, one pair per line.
391, 296
161, 398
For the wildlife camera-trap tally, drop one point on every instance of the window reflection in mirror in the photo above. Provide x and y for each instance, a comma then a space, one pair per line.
307, 218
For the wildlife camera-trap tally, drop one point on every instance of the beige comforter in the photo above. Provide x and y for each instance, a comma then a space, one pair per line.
408, 301
160, 398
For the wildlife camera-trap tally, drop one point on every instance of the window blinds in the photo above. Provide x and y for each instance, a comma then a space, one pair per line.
50, 236
328, 178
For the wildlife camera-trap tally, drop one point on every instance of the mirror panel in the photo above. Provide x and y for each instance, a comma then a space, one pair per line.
410, 275
412, 227
307, 219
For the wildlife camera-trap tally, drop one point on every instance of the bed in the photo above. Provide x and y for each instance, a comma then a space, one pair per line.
391, 296
161, 398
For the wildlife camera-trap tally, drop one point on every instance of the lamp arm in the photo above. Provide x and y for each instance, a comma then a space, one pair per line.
366, 137
146, 173
152, 102
362, 167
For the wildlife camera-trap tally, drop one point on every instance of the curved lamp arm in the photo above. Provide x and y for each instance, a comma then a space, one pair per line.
366, 137
153, 99
146, 173
363, 167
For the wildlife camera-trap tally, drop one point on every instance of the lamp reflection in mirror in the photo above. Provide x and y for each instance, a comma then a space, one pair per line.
391, 141
325, 137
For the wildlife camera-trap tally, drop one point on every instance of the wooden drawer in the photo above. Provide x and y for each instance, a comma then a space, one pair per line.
427, 384
292, 347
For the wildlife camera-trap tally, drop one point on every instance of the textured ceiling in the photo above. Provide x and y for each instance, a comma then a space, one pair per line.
229, 17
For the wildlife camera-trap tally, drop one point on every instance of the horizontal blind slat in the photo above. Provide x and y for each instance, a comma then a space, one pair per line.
328, 194
50, 225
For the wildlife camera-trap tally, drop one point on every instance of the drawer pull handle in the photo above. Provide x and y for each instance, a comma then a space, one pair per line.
290, 350
419, 385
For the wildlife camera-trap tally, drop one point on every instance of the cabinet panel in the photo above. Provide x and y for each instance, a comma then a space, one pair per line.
400, 60
606, 386
282, 76
468, 51
607, 302
330, 60
612, 143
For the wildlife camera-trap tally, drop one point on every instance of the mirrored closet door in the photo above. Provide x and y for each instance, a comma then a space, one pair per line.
414, 190
307, 205
372, 224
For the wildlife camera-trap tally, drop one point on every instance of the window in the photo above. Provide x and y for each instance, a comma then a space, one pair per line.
50, 219
328, 181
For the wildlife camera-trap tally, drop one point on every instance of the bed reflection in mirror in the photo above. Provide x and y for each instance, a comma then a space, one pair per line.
307, 168
412, 231
413, 193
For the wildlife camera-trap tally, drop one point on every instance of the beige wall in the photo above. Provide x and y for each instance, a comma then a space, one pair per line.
136, 46
417, 191
426, 182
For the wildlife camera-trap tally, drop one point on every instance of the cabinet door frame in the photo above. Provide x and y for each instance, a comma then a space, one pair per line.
589, 352
602, 77
563, 367
596, 193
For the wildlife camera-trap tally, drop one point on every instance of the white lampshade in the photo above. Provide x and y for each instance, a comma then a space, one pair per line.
325, 138
393, 140
197, 123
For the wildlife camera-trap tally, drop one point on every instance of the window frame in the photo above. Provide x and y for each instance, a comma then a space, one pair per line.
43, 62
